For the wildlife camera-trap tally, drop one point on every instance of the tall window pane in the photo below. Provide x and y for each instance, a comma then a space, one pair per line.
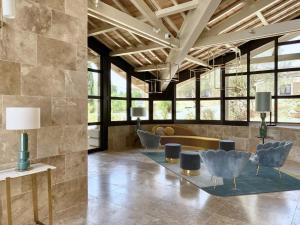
210, 110
93, 136
118, 82
236, 110
263, 58
236, 86
289, 110
141, 103
210, 84
185, 110
93, 60
93, 83
139, 88
261, 83
289, 83
237, 65
118, 110
162, 110
186, 89
93, 110
288, 56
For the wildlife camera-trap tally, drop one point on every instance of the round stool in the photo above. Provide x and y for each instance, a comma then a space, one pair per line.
227, 145
190, 163
172, 152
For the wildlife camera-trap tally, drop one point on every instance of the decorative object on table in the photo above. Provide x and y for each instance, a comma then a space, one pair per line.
172, 152
227, 145
22, 119
225, 164
263, 105
272, 154
39, 168
267, 182
190, 163
138, 112
148, 140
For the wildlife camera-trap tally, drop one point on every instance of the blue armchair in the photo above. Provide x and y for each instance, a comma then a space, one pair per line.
272, 154
225, 164
149, 140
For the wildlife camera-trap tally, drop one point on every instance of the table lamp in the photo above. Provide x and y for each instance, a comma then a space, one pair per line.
263, 105
23, 118
138, 112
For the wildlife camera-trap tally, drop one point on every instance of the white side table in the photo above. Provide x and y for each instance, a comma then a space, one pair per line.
7, 175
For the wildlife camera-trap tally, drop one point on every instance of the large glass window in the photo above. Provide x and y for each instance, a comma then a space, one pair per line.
139, 88
118, 93
289, 56
141, 103
289, 110
118, 110
261, 83
236, 86
210, 84
162, 110
94, 100
186, 89
236, 110
210, 110
289, 83
118, 87
185, 110
263, 58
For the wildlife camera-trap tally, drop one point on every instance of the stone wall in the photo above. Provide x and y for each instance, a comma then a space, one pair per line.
43, 64
244, 136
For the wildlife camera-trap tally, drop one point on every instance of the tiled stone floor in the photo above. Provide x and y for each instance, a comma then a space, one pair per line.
129, 189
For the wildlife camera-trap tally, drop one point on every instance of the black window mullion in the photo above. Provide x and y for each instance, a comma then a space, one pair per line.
276, 80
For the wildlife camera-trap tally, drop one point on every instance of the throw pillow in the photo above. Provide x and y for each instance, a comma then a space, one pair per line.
160, 131
169, 131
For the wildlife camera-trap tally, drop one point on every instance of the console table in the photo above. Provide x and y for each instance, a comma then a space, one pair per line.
7, 175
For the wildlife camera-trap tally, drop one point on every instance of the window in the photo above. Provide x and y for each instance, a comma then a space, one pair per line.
141, 103
139, 88
210, 84
289, 83
162, 110
185, 110
289, 110
186, 89
118, 110
288, 56
255, 116
118, 93
263, 58
261, 83
236, 86
94, 100
237, 66
118, 87
210, 110
236, 110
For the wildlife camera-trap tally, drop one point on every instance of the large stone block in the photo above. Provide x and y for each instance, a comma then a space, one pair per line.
42, 81
10, 78
56, 53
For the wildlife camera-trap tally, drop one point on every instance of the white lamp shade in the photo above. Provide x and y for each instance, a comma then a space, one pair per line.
22, 118
138, 111
263, 102
9, 9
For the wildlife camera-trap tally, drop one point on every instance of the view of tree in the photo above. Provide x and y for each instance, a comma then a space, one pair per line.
162, 110
185, 110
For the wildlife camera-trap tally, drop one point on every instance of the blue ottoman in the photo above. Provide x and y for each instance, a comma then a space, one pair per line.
172, 152
227, 145
190, 163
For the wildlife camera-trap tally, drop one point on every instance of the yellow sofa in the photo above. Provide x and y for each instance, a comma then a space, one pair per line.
185, 137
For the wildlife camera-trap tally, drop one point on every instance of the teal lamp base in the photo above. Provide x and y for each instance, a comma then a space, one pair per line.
263, 129
23, 159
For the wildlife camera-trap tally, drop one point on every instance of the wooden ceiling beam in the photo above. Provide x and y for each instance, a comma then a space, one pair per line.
135, 50
177, 9
196, 61
250, 34
122, 20
150, 68
192, 27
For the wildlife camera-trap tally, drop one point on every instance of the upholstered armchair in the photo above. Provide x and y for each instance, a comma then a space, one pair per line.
149, 140
225, 164
272, 154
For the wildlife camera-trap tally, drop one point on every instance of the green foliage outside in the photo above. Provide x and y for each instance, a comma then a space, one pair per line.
162, 110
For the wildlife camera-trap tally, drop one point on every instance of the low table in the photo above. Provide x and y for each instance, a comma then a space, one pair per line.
7, 175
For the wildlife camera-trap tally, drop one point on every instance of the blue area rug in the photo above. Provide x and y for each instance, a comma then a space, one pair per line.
248, 183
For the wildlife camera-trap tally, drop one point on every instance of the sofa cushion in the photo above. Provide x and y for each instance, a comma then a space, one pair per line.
169, 131
159, 131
